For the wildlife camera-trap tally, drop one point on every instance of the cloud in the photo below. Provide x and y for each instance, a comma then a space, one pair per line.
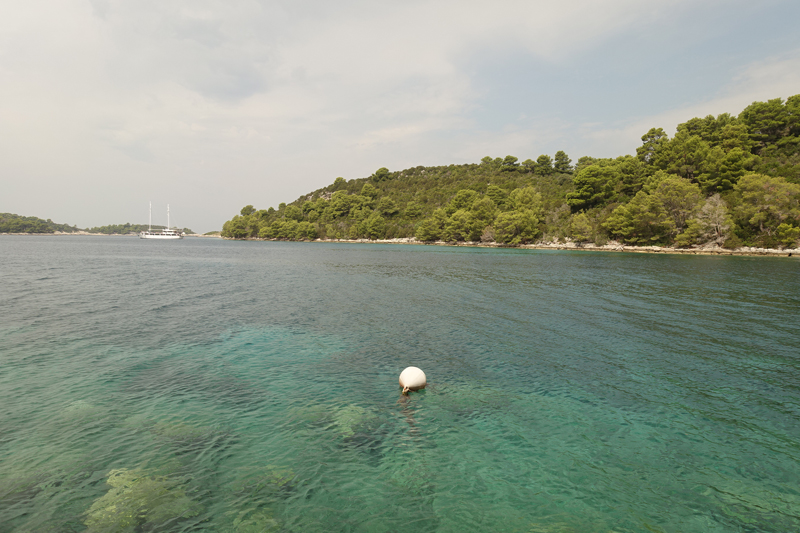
260, 101
778, 77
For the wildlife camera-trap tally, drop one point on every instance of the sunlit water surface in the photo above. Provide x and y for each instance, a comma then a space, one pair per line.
207, 385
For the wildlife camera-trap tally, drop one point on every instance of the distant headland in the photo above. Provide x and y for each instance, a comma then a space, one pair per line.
27, 225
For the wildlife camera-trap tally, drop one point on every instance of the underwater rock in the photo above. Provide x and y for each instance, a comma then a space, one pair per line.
41, 469
21, 486
749, 502
82, 411
137, 500
137, 422
77, 407
180, 431
185, 438
410, 474
468, 399
567, 527
312, 414
265, 481
352, 419
254, 521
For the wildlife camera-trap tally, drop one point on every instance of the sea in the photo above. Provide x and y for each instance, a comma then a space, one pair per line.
231, 386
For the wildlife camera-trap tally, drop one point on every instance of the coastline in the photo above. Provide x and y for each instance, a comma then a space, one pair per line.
611, 246
84, 233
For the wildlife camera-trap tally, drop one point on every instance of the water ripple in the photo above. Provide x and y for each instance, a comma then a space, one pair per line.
225, 386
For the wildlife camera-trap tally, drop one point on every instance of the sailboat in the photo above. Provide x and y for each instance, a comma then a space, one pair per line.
166, 233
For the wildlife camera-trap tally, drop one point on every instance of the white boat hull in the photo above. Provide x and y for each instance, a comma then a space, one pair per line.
146, 235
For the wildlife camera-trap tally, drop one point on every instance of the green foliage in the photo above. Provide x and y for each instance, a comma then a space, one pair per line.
764, 203
128, 228
544, 165
563, 164
462, 200
529, 165
369, 191
526, 198
581, 229
237, 228
723, 169
584, 162
709, 128
767, 121
643, 221
374, 227
693, 234
557, 223
652, 181
516, 227
668, 192
462, 226
413, 209
510, 163
652, 141
11, 223
497, 195
680, 198
293, 212
684, 155
787, 234
382, 174
431, 229
593, 186
732, 242
484, 210
387, 207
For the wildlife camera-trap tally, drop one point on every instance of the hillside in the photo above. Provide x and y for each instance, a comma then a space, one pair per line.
730, 180
128, 228
12, 223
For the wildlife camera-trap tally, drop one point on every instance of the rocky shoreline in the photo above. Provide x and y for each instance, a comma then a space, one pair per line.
217, 236
611, 246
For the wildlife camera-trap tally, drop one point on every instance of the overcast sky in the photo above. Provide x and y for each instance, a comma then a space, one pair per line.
210, 105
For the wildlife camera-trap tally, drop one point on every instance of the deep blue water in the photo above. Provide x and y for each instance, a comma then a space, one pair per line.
209, 385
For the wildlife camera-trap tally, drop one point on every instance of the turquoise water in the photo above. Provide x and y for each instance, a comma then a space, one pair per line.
208, 385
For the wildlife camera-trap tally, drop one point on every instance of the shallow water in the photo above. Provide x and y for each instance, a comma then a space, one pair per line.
249, 386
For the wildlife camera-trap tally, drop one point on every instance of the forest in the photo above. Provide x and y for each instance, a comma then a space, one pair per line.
11, 223
727, 180
127, 228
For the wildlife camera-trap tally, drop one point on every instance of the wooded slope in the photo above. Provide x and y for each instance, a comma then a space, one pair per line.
12, 223
732, 180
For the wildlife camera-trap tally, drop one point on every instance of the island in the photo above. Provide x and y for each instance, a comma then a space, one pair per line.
723, 183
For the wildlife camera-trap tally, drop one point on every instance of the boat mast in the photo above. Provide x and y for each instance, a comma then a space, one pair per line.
150, 220
167, 216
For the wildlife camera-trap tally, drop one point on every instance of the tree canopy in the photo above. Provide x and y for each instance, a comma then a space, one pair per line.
12, 223
727, 179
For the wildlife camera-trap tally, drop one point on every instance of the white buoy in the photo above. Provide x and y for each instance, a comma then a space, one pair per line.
412, 378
